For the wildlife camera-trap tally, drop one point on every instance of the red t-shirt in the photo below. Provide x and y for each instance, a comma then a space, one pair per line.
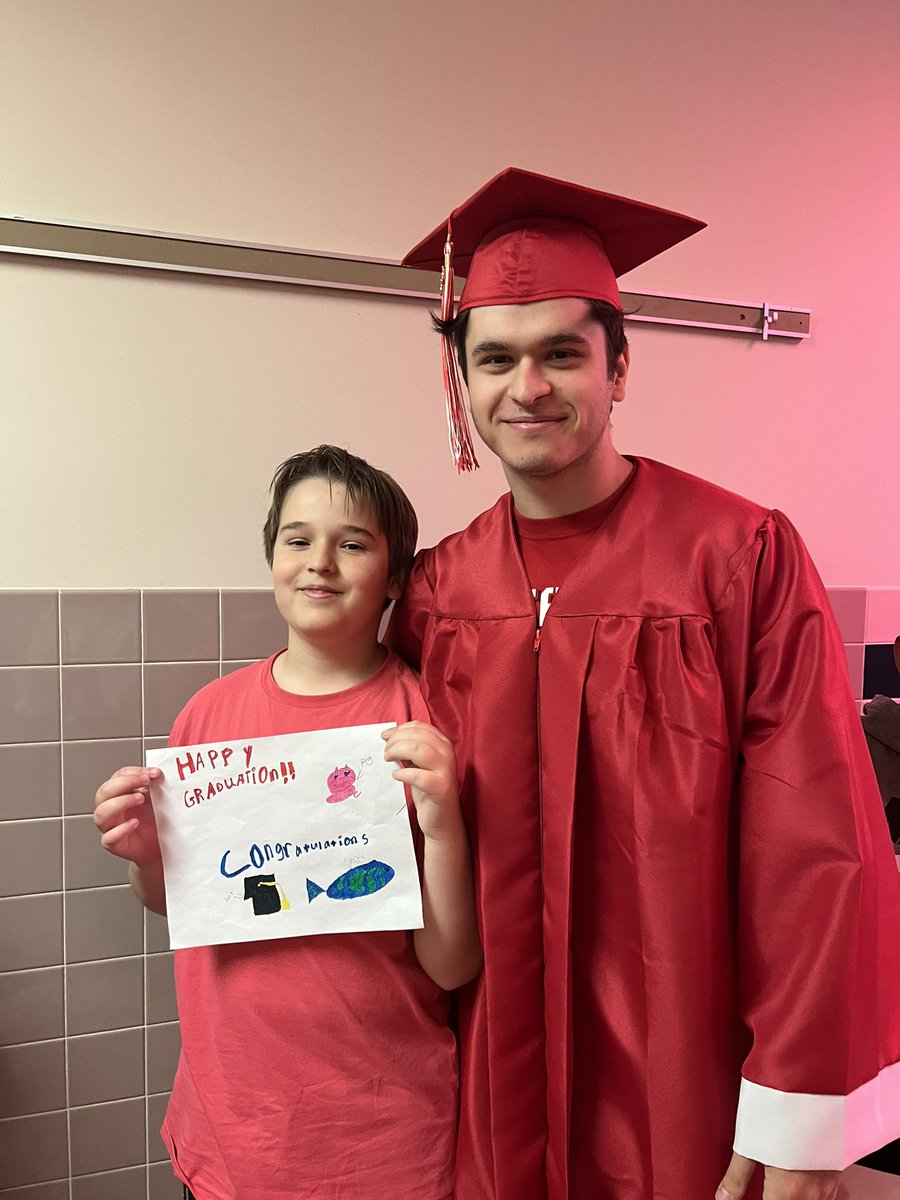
551, 546
312, 1068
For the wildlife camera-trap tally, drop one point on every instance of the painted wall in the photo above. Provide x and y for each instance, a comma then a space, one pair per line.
142, 416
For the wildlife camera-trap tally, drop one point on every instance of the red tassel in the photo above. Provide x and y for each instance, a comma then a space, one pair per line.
461, 446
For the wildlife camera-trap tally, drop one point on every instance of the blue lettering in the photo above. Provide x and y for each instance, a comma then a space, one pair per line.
232, 874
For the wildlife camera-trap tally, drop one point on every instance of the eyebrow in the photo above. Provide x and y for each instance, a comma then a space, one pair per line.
356, 529
567, 337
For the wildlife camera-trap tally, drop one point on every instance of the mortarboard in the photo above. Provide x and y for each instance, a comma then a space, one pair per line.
525, 237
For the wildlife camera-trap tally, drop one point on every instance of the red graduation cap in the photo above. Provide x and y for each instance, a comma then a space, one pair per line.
525, 237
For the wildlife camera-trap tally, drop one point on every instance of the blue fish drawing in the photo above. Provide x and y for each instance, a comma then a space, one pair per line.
358, 881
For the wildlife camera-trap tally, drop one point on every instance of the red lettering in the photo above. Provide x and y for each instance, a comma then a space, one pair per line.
185, 764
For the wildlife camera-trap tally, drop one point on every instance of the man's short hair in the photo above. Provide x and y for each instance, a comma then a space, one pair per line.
610, 318
366, 486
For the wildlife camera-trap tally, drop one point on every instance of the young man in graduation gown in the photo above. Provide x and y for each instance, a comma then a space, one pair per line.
690, 912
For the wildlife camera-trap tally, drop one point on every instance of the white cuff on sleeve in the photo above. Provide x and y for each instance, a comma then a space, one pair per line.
803, 1132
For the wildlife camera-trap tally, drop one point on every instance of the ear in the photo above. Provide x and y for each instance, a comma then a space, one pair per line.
395, 590
620, 375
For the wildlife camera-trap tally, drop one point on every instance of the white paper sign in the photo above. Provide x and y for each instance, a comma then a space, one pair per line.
284, 836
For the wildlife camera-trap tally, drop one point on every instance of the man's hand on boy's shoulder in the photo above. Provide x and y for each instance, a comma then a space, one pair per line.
124, 815
427, 765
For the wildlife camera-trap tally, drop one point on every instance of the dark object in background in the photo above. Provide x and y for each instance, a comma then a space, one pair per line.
881, 669
886, 1159
881, 723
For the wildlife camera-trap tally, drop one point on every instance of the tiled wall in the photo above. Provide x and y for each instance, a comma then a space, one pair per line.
869, 620
88, 1029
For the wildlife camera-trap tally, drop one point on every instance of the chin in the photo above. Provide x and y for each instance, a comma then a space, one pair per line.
538, 465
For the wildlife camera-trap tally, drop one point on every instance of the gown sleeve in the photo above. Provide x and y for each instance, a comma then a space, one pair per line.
406, 629
818, 894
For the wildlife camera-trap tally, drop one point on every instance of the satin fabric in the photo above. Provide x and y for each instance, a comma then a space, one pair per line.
670, 805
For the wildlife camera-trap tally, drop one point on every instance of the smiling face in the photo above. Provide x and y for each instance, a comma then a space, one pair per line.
329, 567
540, 389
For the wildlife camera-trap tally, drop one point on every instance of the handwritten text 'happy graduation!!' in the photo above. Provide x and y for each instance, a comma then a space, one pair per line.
220, 760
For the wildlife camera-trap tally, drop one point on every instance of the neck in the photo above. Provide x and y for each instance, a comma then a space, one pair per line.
313, 669
572, 490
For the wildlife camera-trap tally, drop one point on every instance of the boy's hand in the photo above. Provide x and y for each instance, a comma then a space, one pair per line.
124, 815
428, 767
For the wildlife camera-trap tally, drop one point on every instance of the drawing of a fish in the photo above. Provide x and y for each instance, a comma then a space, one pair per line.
358, 881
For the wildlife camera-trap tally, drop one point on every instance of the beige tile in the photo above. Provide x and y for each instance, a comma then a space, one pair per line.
31, 1006
156, 932
33, 1149
154, 743
167, 688
106, 1066
252, 626
58, 1190
30, 857
31, 931
161, 1005
29, 704
163, 1184
105, 995
101, 627
156, 1112
29, 628
87, 864
103, 923
883, 615
163, 1048
228, 668
849, 607
34, 1078
92, 1147
88, 764
181, 626
101, 702
130, 1184
30, 781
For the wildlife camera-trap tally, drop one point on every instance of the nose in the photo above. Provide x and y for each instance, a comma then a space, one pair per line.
527, 384
321, 559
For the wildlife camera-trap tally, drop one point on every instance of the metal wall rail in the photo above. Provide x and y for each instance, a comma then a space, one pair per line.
147, 250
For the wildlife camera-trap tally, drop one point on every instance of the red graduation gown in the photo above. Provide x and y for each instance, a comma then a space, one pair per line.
689, 908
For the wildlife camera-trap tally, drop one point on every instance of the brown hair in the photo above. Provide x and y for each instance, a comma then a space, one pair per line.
366, 486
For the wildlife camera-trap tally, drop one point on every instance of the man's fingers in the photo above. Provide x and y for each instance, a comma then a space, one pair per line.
737, 1177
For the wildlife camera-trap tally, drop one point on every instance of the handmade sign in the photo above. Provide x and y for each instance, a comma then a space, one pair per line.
284, 836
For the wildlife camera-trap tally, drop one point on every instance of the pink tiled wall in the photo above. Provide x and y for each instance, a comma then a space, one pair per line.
869, 620
88, 1026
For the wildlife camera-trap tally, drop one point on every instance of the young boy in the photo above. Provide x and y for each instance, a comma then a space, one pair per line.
320, 1067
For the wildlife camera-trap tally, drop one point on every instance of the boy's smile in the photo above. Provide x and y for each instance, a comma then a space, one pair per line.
329, 567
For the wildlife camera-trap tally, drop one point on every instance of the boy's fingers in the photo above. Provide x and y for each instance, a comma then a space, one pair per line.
415, 777
110, 812
112, 837
418, 727
125, 780
417, 751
